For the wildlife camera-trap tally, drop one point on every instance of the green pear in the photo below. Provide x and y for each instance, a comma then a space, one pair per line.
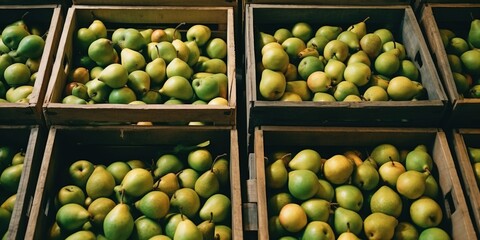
446, 35
317, 209
9, 203
375, 93
396, 48
151, 97
469, 63
207, 184
334, 69
409, 70
359, 28
171, 223
132, 60
168, 184
405, 231
114, 75
345, 220
380, 226
177, 87
411, 184
318, 230
100, 183
84, 38
200, 160
3, 48
79, 172
10, 178
82, 235
432, 188
345, 88
165, 50
206, 88
199, 33
72, 216
95, 72
156, 69
207, 228
419, 159
351, 39
12, 35
123, 95
16, 94
274, 58
386, 200
318, 43
360, 56
338, 169
403, 89
384, 34
173, 33
277, 201
187, 201
293, 46
70, 194
357, 73
434, 233
137, 182
98, 91
385, 152
263, 39
118, 223
319, 82
193, 53
276, 174
329, 32
308, 65
5, 61
31, 46
474, 33
474, 154
302, 30
98, 28
387, 63
281, 34
461, 82
216, 48
371, 44
17, 74
365, 177
336, 49
178, 67
147, 35
102, 52
154, 204
219, 205
306, 159
349, 197
139, 82
145, 228
98, 209
302, 184
272, 84
426, 212
457, 46
132, 38
300, 88
214, 65
167, 163
187, 178
390, 171
186, 229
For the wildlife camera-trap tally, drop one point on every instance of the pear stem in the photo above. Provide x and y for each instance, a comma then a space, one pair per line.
428, 171
211, 217
25, 14
215, 160
284, 156
122, 196
366, 19
180, 24
158, 51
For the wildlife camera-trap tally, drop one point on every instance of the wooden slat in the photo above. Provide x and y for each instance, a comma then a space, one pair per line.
57, 113
402, 21
224, 3
274, 137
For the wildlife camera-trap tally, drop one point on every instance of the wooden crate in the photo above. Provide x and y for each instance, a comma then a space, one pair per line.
463, 138
332, 2
112, 143
224, 3
52, 19
219, 18
32, 138
270, 138
456, 17
403, 23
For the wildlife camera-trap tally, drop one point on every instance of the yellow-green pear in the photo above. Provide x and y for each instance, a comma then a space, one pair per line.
300, 88
10, 178
219, 205
307, 159
137, 182
9, 203
102, 52
186, 200
31, 46
114, 75
272, 84
156, 69
302, 184
401, 88
276, 174
380, 226
118, 223
98, 28
72, 216
132, 60
17, 74
12, 35
317, 209
411, 184
186, 229
100, 183
405, 230
329, 32
345, 220
207, 228
223, 232
207, 184
386, 200
434, 233
359, 28
419, 159
98, 209
167, 163
168, 184
292, 217
318, 230
349, 197
177, 87
425, 212
199, 33
82, 235
216, 48
154, 204
178, 67
385, 152
146, 228
193, 53
338, 169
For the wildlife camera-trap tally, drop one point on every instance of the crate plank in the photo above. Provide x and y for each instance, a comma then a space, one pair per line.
459, 224
221, 21
111, 143
402, 22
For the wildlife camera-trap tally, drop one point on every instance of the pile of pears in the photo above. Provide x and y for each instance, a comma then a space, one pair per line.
474, 154
21, 49
11, 168
390, 194
463, 56
135, 66
181, 196
334, 64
